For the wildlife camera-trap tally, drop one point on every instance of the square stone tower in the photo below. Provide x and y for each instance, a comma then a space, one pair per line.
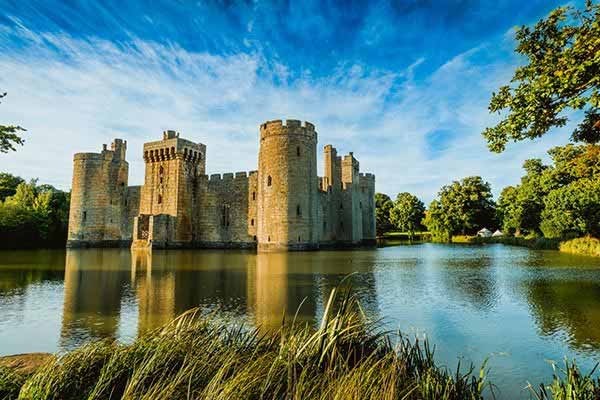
167, 199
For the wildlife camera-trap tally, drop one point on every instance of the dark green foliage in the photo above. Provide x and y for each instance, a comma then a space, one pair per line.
8, 184
407, 213
562, 73
34, 216
9, 136
520, 207
560, 200
462, 207
383, 206
573, 210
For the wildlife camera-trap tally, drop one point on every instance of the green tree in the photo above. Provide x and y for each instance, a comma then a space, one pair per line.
8, 184
34, 216
9, 136
554, 200
383, 206
562, 73
463, 207
509, 210
524, 215
573, 210
407, 213
437, 222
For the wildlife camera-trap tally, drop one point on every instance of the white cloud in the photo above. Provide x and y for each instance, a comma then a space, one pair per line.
73, 95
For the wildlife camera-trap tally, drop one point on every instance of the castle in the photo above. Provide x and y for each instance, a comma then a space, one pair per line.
282, 206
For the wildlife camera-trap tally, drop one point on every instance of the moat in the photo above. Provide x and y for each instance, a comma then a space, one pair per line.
519, 306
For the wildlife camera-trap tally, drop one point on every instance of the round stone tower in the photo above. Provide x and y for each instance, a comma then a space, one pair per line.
97, 197
287, 186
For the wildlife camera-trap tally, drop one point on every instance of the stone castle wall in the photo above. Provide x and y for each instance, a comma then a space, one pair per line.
283, 205
226, 212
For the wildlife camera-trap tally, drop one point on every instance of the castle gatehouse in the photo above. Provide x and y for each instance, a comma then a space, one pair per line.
284, 205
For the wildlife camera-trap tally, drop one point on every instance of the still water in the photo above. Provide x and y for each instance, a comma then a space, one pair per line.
519, 307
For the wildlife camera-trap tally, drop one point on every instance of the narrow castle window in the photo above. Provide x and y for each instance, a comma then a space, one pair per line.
252, 222
342, 225
225, 216
324, 226
161, 170
253, 195
254, 237
298, 151
341, 206
268, 238
84, 215
159, 199
360, 205
269, 180
299, 239
298, 210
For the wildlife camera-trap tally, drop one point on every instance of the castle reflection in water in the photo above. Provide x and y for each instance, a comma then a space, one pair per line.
103, 288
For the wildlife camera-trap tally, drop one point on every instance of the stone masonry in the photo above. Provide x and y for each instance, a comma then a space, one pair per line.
282, 206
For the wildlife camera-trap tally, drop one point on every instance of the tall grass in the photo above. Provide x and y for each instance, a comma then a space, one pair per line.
197, 357
586, 245
569, 384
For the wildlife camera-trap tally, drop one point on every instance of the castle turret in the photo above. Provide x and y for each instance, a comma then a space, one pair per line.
98, 196
287, 186
167, 198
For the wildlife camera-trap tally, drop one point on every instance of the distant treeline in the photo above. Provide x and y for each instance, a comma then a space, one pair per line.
32, 215
557, 201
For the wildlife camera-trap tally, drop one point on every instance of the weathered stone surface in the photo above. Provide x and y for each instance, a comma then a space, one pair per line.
282, 206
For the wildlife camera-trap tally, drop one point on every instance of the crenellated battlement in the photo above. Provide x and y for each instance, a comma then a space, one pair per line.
230, 176
88, 156
173, 147
283, 205
289, 127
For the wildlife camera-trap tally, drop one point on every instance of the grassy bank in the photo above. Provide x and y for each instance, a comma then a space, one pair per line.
588, 246
417, 236
196, 357
538, 243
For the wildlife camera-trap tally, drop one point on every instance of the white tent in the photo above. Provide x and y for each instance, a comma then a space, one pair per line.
498, 233
485, 232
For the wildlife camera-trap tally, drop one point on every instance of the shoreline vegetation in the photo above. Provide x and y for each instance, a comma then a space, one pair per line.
587, 246
198, 357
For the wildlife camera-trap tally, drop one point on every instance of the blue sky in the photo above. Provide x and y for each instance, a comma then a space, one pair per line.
403, 84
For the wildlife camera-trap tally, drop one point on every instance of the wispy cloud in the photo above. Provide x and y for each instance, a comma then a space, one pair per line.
73, 94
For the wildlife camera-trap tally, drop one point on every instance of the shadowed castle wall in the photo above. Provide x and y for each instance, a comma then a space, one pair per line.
226, 212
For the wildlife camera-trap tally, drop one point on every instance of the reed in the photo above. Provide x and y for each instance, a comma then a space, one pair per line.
197, 357
569, 383
588, 246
